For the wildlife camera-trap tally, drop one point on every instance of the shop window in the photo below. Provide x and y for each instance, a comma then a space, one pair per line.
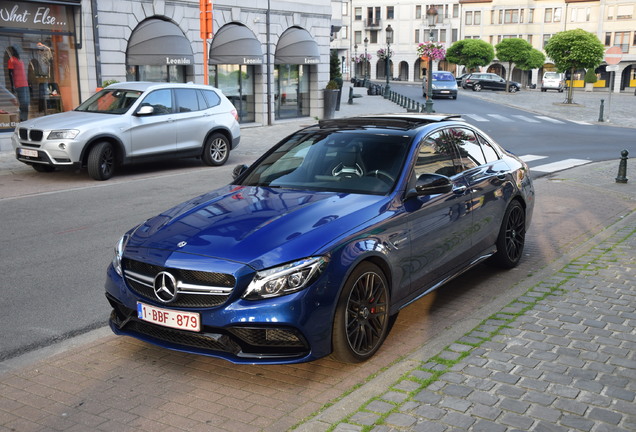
237, 83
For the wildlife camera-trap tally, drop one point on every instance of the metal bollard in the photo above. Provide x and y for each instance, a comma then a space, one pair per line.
350, 101
622, 168
600, 114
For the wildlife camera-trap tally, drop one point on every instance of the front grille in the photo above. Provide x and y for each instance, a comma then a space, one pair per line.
210, 288
31, 134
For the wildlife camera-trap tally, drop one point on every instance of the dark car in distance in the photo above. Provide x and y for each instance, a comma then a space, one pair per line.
489, 81
315, 248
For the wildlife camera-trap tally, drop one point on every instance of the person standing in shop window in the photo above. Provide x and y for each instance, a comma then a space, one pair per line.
19, 83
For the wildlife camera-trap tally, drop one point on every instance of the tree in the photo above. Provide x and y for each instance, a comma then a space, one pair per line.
535, 59
334, 67
471, 53
574, 49
512, 50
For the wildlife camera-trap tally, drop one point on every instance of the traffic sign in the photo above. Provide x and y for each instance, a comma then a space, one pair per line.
611, 68
613, 55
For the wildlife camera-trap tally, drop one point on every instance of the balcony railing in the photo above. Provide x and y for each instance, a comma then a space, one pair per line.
373, 24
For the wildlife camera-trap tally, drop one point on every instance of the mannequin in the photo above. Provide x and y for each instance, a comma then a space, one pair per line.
19, 83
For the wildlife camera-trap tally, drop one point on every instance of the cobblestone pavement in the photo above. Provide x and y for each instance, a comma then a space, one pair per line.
548, 346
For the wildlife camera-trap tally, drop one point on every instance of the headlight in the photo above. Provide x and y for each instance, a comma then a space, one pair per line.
119, 253
63, 134
286, 279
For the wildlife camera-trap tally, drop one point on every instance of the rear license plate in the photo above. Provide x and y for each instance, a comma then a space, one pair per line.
181, 320
29, 153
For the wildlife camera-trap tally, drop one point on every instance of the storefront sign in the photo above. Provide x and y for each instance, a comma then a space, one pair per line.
251, 61
34, 16
178, 61
312, 60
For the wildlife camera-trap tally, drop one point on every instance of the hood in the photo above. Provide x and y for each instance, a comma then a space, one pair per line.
73, 120
257, 226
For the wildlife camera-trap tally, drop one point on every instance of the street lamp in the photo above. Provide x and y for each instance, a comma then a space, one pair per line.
355, 63
387, 57
431, 18
366, 42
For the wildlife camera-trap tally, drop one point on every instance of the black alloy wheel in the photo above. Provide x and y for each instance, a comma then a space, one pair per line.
362, 319
512, 236
101, 161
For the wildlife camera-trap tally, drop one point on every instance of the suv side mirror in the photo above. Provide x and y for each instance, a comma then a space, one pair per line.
145, 110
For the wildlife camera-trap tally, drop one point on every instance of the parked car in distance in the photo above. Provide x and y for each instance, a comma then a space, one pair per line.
489, 81
132, 122
443, 85
316, 247
553, 81
460, 79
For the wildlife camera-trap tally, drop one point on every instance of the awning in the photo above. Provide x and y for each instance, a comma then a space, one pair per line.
296, 46
157, 42
235, 44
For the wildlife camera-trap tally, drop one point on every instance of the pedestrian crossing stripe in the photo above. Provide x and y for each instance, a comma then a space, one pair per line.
559, 165
530, 158
550, 119
526, 119
500, 117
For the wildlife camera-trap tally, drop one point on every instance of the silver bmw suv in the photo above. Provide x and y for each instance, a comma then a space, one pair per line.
132, 122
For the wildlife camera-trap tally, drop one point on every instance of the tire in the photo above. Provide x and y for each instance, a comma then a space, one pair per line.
216, 150
362, 320
43, 168
512, 237
514, 89
477, 87
101, 161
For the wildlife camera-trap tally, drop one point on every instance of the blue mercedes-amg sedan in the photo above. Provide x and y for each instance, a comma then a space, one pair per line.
315, 248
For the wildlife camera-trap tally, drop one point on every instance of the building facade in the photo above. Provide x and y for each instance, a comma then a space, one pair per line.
365, 24
271, 58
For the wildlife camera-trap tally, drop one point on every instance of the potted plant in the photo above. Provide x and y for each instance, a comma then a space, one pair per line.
590, 78
331, 98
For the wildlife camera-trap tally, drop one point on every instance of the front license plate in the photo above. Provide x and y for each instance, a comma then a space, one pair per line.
190, 321
29, 153
445, 91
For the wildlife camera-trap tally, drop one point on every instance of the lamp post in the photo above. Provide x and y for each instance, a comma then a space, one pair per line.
355, 63
431, 17
387, 58
366, 42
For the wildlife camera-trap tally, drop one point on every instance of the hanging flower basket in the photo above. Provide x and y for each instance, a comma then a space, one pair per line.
361, 57
432, 50
382, 53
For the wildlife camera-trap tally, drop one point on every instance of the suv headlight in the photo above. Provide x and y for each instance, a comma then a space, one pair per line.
63, 134
119, 253
285, 279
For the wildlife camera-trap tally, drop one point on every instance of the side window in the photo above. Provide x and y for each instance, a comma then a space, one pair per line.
489, 151
437, 155
212, 98
160, 100
187, 100
469, 148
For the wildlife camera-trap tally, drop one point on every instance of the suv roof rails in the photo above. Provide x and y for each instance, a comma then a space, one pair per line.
402, 121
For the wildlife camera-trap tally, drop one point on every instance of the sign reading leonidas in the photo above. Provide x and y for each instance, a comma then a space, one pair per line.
178, 61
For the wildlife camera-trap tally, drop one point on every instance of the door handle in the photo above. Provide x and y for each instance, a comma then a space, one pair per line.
459, 190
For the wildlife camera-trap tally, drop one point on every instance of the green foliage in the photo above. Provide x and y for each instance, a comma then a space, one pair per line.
512, 50
109, 82
471, 53
534, 59
575, 49
332, 85
334, 65
590, 76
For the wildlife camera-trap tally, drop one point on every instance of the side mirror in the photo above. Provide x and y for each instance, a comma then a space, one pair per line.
238, 170
145, 110
431, 184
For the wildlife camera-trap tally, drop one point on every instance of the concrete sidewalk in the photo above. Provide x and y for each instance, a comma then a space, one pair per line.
548, 346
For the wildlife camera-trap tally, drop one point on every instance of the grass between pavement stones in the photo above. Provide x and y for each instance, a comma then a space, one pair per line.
376, 410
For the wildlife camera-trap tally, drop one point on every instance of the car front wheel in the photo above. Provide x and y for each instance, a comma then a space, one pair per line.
101, 161
216, 150
362, 317
512, 237
477, 87
514, 89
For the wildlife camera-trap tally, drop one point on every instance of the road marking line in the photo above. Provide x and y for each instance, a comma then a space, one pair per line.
550, 119
530, 158
500, 117
581, 123
476, 117
526, 119
560, 165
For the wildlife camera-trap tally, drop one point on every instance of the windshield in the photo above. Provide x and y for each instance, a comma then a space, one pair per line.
443, 77
345, 161
110, 101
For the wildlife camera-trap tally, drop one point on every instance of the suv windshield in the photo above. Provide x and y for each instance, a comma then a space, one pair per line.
339, 162
110, 101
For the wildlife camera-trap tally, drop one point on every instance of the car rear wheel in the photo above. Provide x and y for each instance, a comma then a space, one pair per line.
216, 150
514, 89
362, 317
512, 237
477, 87
101, 161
